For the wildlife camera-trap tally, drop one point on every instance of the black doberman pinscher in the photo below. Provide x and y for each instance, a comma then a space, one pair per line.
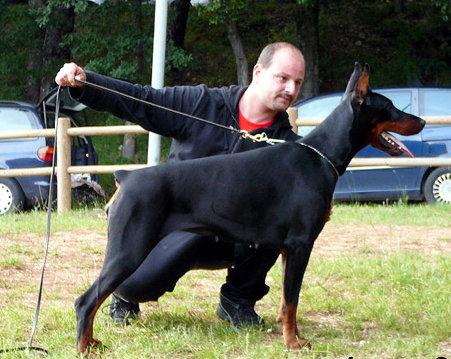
278, 196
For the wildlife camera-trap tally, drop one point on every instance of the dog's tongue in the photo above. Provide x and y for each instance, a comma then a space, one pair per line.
399, 144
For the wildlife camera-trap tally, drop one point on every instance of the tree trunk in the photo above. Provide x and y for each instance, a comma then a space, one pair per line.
177, 29
242, 68
54, 55
128, 142
35, 59
143, 71
306, 19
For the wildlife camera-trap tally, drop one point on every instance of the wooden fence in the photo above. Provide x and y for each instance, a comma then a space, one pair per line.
64, 168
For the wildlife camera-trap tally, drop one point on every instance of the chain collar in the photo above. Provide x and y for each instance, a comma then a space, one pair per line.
321, 155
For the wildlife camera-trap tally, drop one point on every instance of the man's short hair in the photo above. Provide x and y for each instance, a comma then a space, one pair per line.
267, 54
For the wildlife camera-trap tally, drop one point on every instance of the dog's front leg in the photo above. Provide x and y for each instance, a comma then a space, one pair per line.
294, 263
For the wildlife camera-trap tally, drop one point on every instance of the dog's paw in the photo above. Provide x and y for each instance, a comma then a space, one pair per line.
91, 348
298, 343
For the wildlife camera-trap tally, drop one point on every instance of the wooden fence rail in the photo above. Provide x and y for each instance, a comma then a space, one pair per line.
64, 169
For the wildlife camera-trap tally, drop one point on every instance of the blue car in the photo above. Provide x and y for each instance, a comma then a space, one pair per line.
21, 192
382, 183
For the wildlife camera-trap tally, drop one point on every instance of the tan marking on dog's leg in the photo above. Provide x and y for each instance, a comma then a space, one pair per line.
328, 213
87, 341
282, 305
290, 330
287, 316
113, 197
289, 327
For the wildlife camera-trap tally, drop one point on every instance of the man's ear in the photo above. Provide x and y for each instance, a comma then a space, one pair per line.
256, 71
362, 85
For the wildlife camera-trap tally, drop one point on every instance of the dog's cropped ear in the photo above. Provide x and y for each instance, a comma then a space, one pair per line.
362, 85
353, 79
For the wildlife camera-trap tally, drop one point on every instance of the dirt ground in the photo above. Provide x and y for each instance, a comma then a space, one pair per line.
76, 257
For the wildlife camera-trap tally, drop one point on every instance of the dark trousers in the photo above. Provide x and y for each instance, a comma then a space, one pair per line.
180, 252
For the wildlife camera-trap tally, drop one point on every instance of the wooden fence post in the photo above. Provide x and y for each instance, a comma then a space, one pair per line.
63, 161
292, 116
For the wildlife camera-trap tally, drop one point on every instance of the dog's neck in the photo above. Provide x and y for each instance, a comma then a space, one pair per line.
334, 137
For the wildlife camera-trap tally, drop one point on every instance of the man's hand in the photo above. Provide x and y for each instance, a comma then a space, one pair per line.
68, 74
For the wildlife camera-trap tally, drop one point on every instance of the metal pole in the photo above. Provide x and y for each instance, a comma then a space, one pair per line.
159, 49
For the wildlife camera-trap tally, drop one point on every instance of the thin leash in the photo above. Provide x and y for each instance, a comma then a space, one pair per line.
34, 324
259, 137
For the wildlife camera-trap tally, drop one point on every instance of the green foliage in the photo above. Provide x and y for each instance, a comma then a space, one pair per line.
444, 6
221, 11
15, 42
45, 15
108, 37
405, 43
177, 58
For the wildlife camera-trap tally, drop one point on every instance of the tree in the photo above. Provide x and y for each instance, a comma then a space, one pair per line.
306, 18
35, 58
228, 12
177, 29
128, 142
55, 20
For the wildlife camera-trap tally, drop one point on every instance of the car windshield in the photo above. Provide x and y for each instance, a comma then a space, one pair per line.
318, 108
435, 102
12, 119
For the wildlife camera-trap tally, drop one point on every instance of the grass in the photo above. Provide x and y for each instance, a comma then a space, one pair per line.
35, 221
396, 214
94, 219
360, 303
11, 262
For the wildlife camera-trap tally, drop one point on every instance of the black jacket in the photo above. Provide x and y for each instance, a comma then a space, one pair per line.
192, 139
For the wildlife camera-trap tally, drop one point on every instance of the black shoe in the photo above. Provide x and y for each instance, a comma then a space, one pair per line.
239, 314
121, 311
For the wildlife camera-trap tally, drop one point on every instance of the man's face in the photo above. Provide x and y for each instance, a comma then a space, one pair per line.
279, 84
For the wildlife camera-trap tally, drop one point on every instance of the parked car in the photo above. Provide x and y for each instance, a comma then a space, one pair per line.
382, 183
21, 192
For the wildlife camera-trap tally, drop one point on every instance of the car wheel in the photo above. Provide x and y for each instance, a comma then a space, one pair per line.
12, 198
437, 187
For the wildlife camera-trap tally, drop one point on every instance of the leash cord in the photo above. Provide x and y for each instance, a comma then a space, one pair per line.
34, 324
230, 128
49, 223
259, 137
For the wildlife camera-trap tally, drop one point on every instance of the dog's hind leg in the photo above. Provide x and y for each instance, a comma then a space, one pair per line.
282, 304
133, 229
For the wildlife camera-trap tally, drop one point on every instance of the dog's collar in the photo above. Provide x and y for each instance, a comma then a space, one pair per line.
321, 155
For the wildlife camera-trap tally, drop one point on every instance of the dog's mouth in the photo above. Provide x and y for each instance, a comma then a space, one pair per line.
391, 145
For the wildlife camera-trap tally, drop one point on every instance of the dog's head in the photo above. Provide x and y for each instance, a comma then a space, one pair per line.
377, 115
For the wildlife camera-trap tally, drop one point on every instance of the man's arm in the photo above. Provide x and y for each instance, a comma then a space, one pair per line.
181, 98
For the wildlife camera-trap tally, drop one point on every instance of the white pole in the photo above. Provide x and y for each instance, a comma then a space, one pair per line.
159, 49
